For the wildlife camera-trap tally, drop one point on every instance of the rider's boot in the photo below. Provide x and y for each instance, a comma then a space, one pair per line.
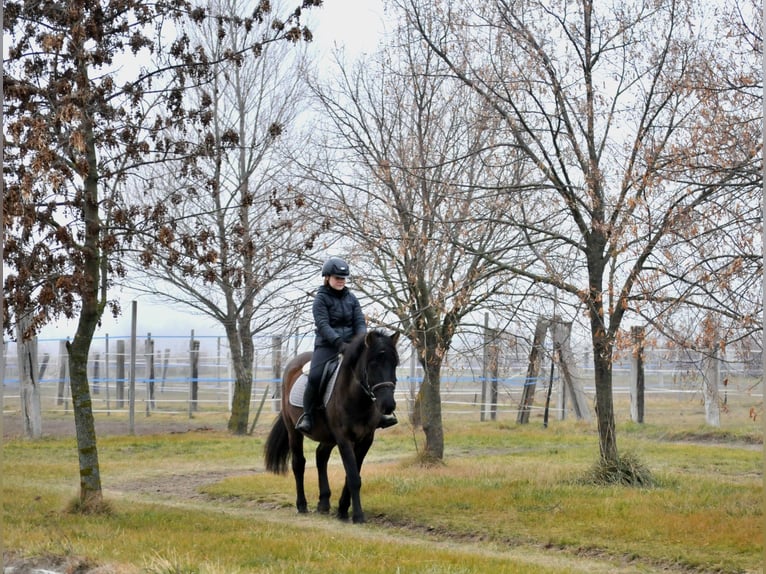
387, 421
306, 421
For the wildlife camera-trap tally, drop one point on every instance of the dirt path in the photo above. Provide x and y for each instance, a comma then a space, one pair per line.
183, 491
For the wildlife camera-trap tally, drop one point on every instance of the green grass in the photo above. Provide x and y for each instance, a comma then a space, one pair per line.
508, 499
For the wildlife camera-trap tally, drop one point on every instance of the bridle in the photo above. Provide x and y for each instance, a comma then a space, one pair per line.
370, 390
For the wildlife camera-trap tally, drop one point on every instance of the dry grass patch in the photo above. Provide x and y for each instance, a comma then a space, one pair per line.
506, 499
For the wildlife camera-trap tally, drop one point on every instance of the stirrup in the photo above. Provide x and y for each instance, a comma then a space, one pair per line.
305, 423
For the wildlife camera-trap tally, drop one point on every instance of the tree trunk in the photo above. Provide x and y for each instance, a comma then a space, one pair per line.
90, 313
431, 407
637, 376
241, 346
90, 476
243, 358
602, 338
602, 364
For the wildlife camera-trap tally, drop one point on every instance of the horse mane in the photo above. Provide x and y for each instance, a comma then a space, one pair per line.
378, 339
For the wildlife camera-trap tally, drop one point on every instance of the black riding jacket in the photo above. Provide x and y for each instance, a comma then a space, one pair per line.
337, 317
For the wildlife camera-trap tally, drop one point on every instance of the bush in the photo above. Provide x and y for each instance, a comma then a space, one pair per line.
629, 470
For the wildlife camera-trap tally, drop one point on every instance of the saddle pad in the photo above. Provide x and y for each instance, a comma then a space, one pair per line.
299, 387
296, 393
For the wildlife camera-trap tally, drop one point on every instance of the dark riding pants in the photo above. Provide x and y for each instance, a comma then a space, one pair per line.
319, 359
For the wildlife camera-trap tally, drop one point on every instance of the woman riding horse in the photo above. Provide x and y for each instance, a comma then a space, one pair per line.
338, 319
362, 394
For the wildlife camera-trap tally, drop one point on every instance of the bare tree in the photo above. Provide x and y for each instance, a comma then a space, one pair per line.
234, 229
76, 114
603, 100
702, 286
410, 153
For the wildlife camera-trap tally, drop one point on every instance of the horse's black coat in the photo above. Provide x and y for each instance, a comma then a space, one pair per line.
364, 390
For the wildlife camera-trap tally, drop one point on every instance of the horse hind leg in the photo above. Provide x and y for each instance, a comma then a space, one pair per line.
299, 470
322, 457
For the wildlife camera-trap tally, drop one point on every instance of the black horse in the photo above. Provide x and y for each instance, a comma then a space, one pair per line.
362, 393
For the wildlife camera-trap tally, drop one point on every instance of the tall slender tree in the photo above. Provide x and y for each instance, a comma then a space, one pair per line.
234, 230
80, 116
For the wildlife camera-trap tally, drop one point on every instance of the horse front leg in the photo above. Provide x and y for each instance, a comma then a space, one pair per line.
353, 485
299, 469
351, 495
322, 457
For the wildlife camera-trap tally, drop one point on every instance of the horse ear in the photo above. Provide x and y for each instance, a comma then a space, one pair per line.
395, 338
367, 339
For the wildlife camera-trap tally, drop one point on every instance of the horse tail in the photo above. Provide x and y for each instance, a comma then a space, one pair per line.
277, 447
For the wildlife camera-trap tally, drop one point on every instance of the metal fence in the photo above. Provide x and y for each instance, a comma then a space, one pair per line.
192, 376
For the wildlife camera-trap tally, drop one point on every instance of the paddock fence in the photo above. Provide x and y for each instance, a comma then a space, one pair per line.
191, 376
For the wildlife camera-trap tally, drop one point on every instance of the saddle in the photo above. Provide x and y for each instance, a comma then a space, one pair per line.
326, 384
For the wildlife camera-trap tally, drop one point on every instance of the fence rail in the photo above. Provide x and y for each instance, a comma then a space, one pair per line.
167, 381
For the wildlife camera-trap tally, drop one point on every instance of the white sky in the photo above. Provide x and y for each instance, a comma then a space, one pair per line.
353, 25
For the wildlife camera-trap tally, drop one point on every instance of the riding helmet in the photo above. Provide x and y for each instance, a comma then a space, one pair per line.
335, 266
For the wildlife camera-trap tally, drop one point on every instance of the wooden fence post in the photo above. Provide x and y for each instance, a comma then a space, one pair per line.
484, 377
253, 377
571, 383
533, 371
491, 372
29, 387
555, 357
495, 374
637, 376
411, 399
194, 365
218, 363
132, 381
120, 374
165, 362
711, 379
3, 360
149, 359
276, 372
96, 373
43, 366
106, 372
63, 372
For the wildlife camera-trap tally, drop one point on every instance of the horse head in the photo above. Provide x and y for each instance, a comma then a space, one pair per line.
374, 359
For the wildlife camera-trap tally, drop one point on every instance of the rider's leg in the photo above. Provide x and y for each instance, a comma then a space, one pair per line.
311, 398
306, 422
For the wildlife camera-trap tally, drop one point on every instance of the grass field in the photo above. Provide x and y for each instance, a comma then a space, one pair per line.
508, 498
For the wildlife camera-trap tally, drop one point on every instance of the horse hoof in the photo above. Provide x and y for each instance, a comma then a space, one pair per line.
343, 517
303, 510
323, 509
359, 519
